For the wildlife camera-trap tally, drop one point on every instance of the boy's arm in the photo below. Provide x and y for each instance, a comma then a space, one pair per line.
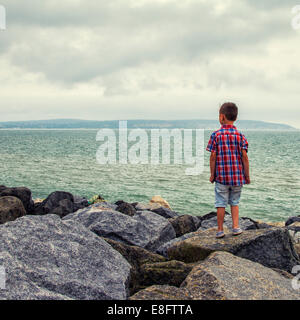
212, 163
246, 166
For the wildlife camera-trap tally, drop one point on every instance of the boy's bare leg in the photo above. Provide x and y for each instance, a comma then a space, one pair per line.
220, 217
235, 216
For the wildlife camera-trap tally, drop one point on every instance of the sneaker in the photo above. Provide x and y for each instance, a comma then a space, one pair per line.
220, 235
237, 231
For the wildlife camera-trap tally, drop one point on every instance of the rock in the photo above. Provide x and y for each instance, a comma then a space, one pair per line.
126, 208
117, 203
159, 292
249, 224
145, 229
185, 224
295, 235
294, 231
136, 256
166, 213
280, 224
38, 201
60, 203
295, 226
211, 215
264, 226
159, 200
22, 193
96, 199
297, 248
283, 273
105, 205
170, 273
210, 221
163, 249
157, 208
52, 202
64, 207
134, 204
80, 202
48, 258
271, 247
223, 276
291, 220
146, 207
11, 208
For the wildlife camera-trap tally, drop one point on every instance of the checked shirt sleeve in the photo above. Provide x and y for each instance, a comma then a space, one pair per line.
244, 143
212, 144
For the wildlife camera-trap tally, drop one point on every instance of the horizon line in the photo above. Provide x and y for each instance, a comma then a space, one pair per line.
157, 120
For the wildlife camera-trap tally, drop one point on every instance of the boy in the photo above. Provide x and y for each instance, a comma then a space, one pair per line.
229, 166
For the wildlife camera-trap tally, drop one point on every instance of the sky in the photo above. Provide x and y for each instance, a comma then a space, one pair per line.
149, 59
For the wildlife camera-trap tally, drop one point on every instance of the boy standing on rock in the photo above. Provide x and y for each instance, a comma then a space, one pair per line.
229, 166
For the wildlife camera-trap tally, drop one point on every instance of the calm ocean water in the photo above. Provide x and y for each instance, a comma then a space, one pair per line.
50, 160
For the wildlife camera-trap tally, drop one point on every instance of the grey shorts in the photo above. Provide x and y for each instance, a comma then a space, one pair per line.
227, 195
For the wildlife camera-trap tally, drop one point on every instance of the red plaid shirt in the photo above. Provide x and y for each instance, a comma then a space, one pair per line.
228, 143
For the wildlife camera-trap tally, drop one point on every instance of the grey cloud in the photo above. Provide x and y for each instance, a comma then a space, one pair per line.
271, 4
123, 37
147, 60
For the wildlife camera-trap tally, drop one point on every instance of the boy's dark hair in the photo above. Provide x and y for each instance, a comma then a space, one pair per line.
230, 110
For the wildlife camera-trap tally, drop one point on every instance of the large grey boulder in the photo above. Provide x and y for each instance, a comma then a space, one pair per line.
223, 276
145, 229
47, 258
11, 208
205, 222
22, 193
271, 247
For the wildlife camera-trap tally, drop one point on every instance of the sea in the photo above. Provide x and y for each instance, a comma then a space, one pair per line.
65, 160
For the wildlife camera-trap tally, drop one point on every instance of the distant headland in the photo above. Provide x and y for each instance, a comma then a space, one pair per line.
145, 124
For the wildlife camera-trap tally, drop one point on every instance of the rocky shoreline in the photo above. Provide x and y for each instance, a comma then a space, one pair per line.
67, 247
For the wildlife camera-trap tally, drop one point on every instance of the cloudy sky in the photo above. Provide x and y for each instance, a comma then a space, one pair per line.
149, 59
